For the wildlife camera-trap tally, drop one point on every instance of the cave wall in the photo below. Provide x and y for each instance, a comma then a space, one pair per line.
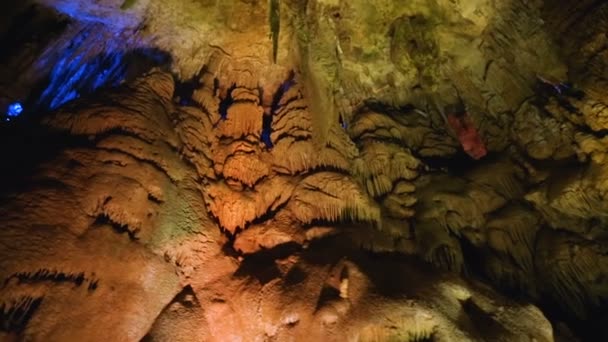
268, 249
261, 181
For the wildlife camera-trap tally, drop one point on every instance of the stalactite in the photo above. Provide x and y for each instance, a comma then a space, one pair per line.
381, 165
227, 211
332, 197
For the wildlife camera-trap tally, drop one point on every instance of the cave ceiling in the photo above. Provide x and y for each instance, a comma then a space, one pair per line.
304, 170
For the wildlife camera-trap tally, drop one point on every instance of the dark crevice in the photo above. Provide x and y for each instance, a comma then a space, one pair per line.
184, 91
187, 298
15, 316
228, 246
473, 261
282, 111
289, 134
324, 168
421, 338
266, 131
104, 219
328, 294
119, 131
485, 324
47, 275
226, 102
269, 215
343, 222
247, 139
295, 275
262, 266
317, 189
281, 108
29, 145
150, 162
487, 69
541, 102
278, 95
592, 328
457, 164
261, 95
342, 122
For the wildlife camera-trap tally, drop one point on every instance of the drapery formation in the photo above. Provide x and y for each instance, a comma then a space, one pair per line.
270, 199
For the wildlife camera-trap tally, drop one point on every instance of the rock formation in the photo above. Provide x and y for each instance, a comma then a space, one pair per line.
299, 170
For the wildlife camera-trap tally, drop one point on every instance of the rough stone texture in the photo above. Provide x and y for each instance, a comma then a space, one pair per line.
130, 171
298, 200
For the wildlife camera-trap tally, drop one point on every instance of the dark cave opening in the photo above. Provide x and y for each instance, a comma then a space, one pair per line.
593, 328
262, 265
457, 164
26, 146
23, 31
185, 89
226, 102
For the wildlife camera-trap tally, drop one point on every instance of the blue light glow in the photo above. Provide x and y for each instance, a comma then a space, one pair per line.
95, 58
14, 109
74, 77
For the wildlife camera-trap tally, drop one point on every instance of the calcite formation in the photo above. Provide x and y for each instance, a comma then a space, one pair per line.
291, 173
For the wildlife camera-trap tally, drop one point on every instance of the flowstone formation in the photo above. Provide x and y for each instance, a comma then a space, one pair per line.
155, 185
306, 170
